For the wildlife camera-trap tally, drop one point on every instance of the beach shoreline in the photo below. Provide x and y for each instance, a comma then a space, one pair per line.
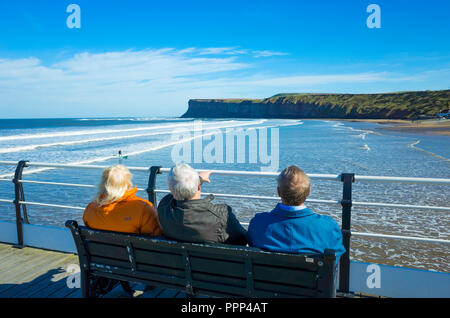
425, 127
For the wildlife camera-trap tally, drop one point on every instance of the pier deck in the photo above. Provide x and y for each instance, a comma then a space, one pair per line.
35, 273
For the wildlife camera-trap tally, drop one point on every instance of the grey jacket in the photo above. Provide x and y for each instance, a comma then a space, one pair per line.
200, 221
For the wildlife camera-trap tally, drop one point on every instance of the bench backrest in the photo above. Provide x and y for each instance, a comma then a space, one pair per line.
209, 269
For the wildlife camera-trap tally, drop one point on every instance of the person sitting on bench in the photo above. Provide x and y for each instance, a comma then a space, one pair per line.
185, 216
117, 208
291, 226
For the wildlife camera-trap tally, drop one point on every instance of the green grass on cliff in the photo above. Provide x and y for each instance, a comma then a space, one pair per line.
410, 105
413, 104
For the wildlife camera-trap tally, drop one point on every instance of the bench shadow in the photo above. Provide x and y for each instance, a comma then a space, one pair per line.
52, 284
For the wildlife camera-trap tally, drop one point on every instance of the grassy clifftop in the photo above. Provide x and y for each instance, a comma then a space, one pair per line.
400, 105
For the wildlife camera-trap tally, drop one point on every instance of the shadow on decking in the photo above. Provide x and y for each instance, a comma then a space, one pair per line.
54, 284
51, 284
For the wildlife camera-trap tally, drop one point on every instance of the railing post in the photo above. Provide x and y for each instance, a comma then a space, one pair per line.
346, 202
154, 171
19, 196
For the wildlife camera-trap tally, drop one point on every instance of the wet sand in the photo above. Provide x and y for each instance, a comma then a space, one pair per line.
426, 127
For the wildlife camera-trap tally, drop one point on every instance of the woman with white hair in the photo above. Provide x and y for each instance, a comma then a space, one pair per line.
185, 216
117, 208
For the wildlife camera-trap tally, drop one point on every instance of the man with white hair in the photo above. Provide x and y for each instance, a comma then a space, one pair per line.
185, 216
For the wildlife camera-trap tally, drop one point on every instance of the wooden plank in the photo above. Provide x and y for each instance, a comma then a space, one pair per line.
20, 257
53, 287
212, 266
37, 284
28, 269
220, 250
37, 266
138, 276
144, 257
76, 293
142, 267
285, 276
227, 280
220, 288
22, 288
7, 253
119, 239
288, 291
63, 292
24, 273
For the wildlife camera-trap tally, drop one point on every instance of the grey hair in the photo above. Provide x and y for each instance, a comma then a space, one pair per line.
183, 182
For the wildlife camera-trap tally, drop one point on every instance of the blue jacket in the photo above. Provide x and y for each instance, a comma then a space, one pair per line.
295, 231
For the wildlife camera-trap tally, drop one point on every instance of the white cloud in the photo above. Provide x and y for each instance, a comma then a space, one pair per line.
267, 53
149, 82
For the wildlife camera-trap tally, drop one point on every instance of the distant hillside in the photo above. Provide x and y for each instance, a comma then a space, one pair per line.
401, 105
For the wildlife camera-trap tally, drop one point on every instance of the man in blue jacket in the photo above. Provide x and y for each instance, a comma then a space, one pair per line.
291, 226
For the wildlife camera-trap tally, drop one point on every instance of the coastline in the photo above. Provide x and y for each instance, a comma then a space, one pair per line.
426, 127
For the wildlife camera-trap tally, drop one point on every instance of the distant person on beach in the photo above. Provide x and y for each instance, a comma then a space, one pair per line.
185, 216
117, 208
291, 226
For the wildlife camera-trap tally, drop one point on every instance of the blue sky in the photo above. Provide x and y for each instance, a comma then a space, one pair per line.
148, 58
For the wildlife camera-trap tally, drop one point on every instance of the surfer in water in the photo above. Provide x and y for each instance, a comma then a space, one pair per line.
121, 157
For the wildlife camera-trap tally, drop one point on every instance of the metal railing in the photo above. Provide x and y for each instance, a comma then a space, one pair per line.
345, 202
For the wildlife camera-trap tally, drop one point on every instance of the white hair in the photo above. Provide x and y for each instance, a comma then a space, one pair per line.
183, 182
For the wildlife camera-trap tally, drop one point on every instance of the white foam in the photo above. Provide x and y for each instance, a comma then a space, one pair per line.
101, 131
413, 146
153, 148
77, 142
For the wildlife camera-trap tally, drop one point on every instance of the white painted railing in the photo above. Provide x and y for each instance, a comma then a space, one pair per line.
333, 177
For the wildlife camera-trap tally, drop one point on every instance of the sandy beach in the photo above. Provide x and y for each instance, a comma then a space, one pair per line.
427, 127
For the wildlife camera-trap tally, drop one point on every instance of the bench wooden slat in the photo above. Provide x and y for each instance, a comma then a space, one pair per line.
219, 279
224, 252
143, 277
139, 279
143, 267
285, 276
144, 257
284, 290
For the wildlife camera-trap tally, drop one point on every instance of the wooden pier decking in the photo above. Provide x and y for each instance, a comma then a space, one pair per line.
35, 273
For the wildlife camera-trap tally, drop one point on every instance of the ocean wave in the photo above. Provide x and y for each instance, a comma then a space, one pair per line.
107, 131
84, 141
413, 146
366, 147
138, 152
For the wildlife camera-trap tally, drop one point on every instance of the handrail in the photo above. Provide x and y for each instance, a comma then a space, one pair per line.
346, 202
270, 198
414, 238
333, 177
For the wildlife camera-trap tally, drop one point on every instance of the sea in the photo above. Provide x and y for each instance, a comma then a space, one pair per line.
316, 146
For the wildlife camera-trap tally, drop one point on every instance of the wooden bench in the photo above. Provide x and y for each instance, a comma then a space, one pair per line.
200, 269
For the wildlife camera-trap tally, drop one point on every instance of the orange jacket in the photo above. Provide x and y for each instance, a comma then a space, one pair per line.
129, 214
